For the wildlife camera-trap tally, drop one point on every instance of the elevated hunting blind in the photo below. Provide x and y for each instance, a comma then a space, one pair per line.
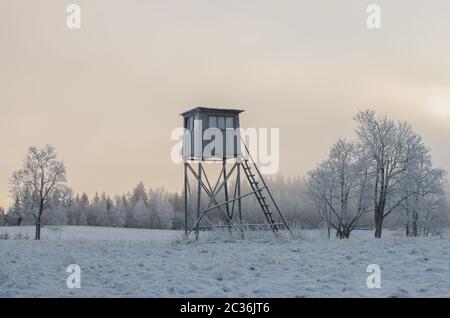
213, 135
216, 127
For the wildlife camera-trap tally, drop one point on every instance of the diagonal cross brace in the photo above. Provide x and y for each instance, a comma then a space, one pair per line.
212, 195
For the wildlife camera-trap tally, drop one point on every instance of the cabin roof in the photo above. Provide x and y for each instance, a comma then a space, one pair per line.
211, 110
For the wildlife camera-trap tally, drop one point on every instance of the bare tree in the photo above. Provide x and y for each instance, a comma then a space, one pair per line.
434, 215
43, 174
391, 146
2, 217
427, 200
320, 191
339, 188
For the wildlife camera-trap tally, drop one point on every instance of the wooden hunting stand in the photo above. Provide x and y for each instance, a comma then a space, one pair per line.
212, 135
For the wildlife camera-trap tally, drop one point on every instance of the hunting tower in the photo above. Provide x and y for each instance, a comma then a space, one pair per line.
212, 135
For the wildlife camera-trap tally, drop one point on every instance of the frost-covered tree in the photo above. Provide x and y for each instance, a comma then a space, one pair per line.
119, 212
28, 205
389, 146
177, 201
339, 188
2, 217
76, 211
102, 208
426, 205
58, 207
43, 174
320, 190
15, 214
82, 219
141, 215
84, 205
162, 208
139, 194
55, 215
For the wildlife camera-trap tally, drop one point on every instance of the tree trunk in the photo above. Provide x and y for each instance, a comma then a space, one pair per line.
379, 213
38, 221
346, 232
343, 232
378, 223
38, 230
415, 218
36, 233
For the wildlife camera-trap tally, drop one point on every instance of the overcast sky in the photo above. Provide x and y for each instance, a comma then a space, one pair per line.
107, 96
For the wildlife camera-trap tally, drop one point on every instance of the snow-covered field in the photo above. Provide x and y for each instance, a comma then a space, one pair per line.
156, 263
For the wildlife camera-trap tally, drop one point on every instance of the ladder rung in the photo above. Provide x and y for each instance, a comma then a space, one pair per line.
261, 200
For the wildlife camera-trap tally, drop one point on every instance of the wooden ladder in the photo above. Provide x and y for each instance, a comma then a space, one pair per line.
262, 200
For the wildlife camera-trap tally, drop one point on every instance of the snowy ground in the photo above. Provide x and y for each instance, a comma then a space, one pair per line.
154, 263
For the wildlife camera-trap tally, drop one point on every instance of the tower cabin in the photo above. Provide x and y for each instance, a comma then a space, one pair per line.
211, 134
